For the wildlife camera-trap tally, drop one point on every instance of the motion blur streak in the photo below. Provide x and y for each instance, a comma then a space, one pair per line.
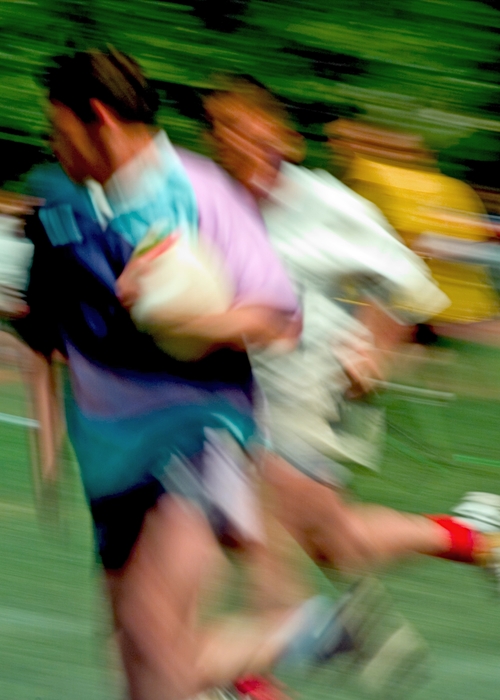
399, 101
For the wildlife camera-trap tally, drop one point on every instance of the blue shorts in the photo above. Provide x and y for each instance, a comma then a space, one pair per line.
118, 519
118, 455
127, 464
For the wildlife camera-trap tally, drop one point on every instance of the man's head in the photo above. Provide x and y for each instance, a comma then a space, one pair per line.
348, 138
251, 134
101, 107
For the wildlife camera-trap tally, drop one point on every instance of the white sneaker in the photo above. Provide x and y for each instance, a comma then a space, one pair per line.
480, 511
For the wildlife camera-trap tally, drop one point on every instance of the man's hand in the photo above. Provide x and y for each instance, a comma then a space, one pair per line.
369, 362
128, 286
364, 369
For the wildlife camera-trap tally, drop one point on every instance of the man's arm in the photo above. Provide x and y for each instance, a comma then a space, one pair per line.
372, 250
254, 325
372, 362
238, 328
265, 308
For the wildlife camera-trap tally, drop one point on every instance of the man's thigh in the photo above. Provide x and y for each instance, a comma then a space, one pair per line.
155, 595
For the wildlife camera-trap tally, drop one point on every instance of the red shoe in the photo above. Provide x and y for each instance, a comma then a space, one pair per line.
260, 688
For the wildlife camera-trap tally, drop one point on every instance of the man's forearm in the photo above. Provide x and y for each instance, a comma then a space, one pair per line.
386, 331
237, 328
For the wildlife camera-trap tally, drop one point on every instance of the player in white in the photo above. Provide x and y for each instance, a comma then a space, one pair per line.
328, 236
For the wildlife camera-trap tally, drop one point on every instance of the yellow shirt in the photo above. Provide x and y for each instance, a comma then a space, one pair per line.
412, 200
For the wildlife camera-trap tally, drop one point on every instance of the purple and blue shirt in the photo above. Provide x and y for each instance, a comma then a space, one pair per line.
130, 406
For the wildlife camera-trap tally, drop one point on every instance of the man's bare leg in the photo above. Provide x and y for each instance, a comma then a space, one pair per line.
348, 536
46, 402
155, 603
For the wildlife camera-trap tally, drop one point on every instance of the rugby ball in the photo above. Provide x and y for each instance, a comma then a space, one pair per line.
183, 280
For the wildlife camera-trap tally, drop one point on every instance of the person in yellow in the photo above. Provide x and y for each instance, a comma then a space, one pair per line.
397, 173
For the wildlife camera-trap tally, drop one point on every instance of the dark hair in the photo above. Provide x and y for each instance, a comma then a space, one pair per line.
109, 76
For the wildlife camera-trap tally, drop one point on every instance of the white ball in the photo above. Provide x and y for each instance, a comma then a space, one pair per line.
184, 282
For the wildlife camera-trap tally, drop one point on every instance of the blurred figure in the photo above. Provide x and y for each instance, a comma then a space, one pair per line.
16, 256
399, 174
153, 434
325, 234
335, 245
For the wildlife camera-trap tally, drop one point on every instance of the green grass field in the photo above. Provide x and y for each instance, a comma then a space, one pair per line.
54, 630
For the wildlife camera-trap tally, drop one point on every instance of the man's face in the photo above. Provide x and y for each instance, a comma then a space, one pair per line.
245, 140
71, 142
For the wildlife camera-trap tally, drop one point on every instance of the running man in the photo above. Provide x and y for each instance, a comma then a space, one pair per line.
325, 233
151, 433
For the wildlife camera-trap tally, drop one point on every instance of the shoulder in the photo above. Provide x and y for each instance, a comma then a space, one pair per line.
317, 184
461, 196
223, 204
196, 161
198, 165
230, 219
333, 194
202, 171
50, 183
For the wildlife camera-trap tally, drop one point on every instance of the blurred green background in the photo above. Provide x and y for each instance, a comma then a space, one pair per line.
55, 639
431, 66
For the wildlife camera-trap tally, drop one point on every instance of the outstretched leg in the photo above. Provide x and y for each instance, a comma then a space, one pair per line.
155, 598
352, 536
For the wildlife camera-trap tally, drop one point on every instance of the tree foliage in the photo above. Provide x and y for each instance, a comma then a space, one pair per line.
431, 66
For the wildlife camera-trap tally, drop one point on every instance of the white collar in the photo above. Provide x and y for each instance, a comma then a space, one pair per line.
134, 183
285, 192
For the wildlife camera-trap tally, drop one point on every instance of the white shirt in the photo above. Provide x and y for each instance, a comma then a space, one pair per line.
326, 235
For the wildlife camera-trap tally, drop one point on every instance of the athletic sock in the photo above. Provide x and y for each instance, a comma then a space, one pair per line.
260, 688
315, 633
465, 544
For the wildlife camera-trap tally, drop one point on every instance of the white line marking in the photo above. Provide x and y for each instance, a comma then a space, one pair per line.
19, 420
